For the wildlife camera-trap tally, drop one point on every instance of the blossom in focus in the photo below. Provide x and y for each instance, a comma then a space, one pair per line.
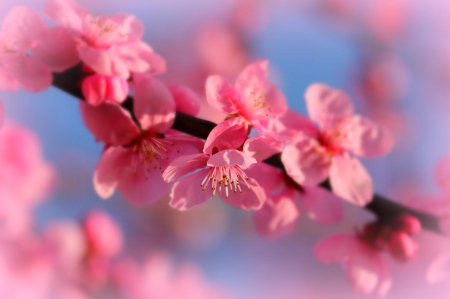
281, 211
360, 254
221, 168
252, 97
136, 153
108, 45
313, 154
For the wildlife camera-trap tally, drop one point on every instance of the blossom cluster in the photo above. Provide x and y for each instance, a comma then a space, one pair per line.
132, 113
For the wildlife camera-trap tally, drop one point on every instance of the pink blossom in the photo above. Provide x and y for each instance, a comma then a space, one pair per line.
253, 97
25, 178
109, 45
281, 211
361, 256
137, 153
366, 268
222, 166
439, 269
22, 29
99, 88
316, 153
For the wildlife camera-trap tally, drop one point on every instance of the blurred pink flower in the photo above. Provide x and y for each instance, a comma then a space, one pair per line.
109, 45
22, 29
316, 153
137, 153
253, 97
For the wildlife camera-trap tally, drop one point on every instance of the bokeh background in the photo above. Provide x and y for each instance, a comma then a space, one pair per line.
391, 56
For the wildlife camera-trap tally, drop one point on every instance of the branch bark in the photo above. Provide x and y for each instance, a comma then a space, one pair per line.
384, 208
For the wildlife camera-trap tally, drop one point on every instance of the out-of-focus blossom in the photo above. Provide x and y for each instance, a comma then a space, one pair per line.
439, 269
222, 164
109, 45
137, 153
22, 30
361, 256
253, 97
281, 210
25, 178
158, 278
316, 153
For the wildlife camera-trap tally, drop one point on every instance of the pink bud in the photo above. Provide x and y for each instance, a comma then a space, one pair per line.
103, 234
100, 88
407, 223
402, 246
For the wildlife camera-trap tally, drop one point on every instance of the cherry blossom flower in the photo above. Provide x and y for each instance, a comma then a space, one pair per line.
281, 210
25, 178
316, 153
137, 153
361, 256
253, 97
109, 45
22, 29
221, 169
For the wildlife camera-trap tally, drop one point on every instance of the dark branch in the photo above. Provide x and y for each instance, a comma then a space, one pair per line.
383, 208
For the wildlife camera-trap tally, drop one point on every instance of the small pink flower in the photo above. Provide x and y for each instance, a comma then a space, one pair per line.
137, 153
281, 211
221, 169
21, 31
360, 254
109, 45
253, 97
366, 268
316, 153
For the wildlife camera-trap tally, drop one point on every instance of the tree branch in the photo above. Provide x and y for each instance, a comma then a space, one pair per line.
383, 208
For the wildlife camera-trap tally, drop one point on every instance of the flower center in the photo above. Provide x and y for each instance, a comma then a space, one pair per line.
227, 177
149, 151
100, 32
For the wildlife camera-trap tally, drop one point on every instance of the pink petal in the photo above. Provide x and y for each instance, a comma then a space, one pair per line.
327, 105
231, 158
269, 177
183, 145
350, 180
104, 61
291, 123
279, 216
221, 95
254, 75
322, 205
184, 165
230, 134
57, 50
129, 26
363, 270
109, 123
7, 82
99, 88
439, 269
251, 198
365, 138
157, 64
67, 13
186, 100
187, 192
130, 55
154, 106
442, 174
28, 72
336, 248
23, 27
263, 146
110, 169
307, 162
